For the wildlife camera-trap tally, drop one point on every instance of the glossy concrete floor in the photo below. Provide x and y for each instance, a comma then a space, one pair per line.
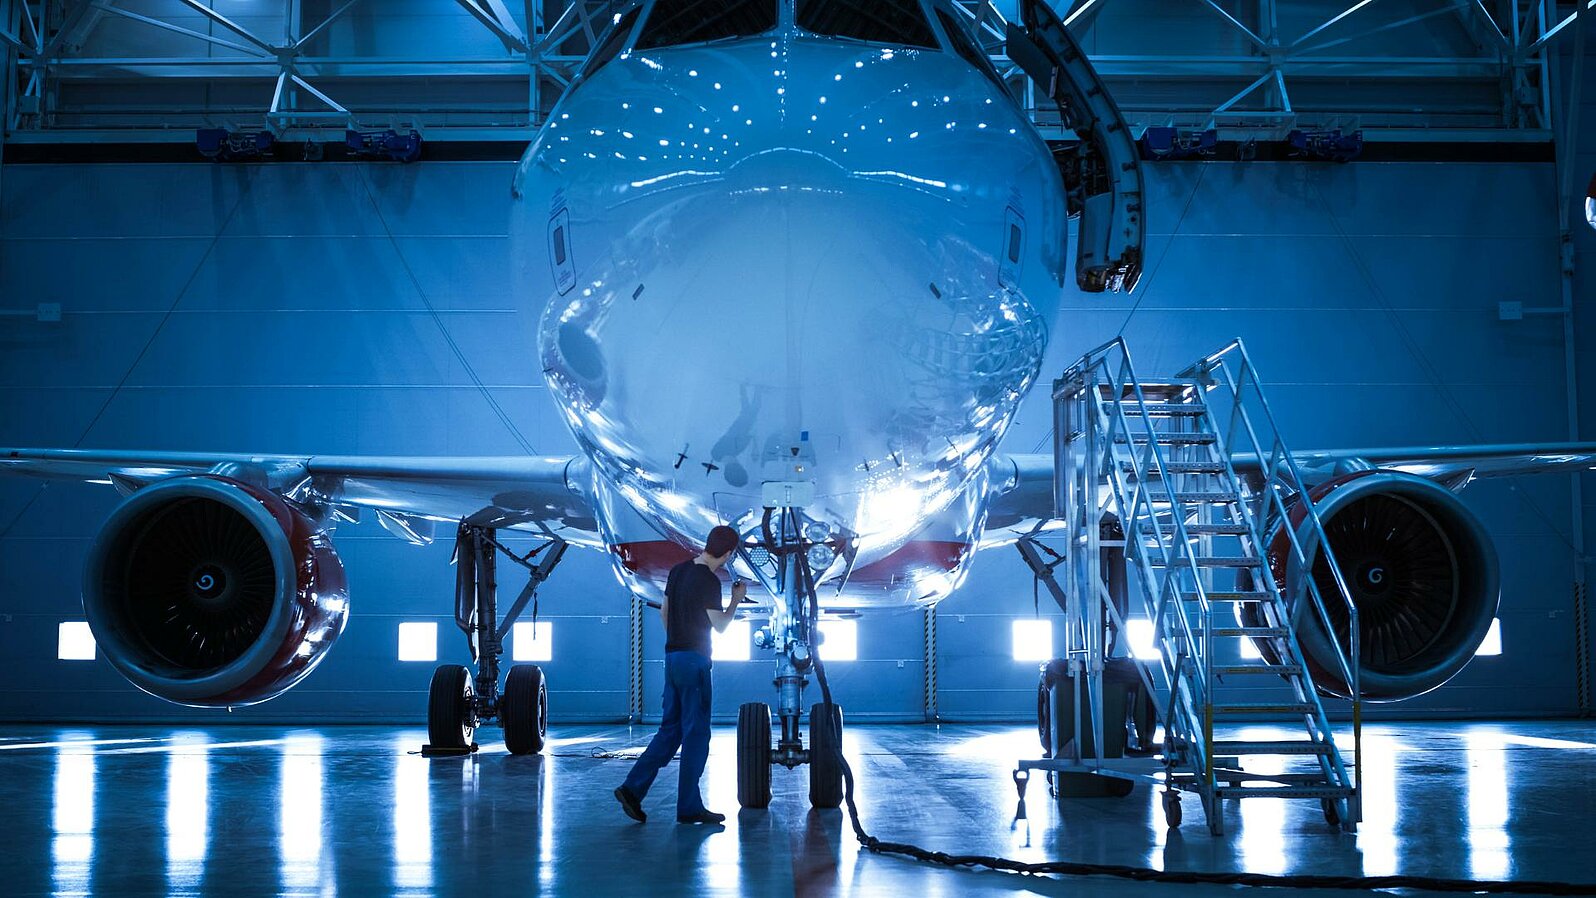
252, 811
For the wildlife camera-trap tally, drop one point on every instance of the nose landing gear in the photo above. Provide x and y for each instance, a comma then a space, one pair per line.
791, 634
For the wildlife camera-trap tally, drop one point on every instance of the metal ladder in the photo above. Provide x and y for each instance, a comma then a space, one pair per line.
1154, 461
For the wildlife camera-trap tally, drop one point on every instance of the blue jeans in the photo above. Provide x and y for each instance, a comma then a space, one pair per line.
685, 724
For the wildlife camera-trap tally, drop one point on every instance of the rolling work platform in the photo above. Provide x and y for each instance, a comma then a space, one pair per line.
1147, 488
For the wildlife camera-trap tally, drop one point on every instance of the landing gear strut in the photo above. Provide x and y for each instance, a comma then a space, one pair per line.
791, 634
457, 703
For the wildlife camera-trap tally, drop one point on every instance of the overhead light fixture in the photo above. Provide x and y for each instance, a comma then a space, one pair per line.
1172, 143
1327, 146
223, 145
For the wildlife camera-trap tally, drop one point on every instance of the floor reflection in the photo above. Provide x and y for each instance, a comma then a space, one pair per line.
816, 868
300, 815
72, 821
188, 810
256, 811
412, 825
1382, 812
1490, 847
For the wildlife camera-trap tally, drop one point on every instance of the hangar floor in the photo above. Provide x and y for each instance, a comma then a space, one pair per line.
246, 811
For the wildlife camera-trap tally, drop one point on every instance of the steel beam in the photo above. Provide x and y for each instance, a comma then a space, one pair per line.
332, 17
1476, 18
1380, 29
15, 43
1261, 62
1082, 13
306, 86
106, 6
1259, 42
230, 25
77, 23
32, 28
488, 13
1555, 29
1242, 94
1333, 20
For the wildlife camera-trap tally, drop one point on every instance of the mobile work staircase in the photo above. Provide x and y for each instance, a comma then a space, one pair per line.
1158, 464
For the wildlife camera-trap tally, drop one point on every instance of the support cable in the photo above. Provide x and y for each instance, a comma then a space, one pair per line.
448, 338
244, 184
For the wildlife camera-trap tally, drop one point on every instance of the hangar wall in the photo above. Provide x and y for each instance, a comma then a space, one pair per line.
316, 309
1579, 150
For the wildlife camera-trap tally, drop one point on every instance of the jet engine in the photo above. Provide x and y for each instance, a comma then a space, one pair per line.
207, 591
1420, 569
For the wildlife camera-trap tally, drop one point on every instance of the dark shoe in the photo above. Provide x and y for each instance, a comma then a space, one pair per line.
701, 817
630, 804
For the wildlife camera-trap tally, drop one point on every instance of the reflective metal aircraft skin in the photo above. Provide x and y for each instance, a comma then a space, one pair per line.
795, 258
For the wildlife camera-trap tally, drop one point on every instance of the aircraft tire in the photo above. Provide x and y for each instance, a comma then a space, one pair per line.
825, 755
450, 721
524, 709
753, 755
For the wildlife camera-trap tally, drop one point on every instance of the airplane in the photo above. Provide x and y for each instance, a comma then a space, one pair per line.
803, 259
1590, 202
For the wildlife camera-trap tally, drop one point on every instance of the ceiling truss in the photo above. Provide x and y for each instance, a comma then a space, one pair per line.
70, 76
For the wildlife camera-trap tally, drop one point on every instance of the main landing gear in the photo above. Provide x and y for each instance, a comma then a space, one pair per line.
457, 702
784, 553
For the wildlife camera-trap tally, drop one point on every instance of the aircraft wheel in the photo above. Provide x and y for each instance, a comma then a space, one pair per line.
525, 710
451, 717
1172, 808
825, 755
753, 755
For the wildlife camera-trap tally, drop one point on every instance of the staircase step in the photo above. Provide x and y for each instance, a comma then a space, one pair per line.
1264, 708
1217, 529
1281, 747
1159, 497
1214, 561
1280, 669
1229, 596
1326, 791
1251, 632
1181, 467
1169, 439
1160, 409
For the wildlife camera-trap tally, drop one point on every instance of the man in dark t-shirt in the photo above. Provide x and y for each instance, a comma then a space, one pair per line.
692, 606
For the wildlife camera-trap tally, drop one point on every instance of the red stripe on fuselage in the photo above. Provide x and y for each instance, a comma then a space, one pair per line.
921, 556
652, 559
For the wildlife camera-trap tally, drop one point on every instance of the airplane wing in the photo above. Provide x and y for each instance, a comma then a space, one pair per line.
1451, 462
1023, 484
407, 495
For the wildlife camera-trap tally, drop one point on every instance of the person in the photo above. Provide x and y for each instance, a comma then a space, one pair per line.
692, 605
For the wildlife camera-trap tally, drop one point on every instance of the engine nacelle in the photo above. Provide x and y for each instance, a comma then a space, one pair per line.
210, 592
1421, 570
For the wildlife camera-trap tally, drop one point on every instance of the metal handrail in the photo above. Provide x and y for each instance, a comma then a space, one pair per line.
1108, 445
1282, 477
1279, 457
1088, 375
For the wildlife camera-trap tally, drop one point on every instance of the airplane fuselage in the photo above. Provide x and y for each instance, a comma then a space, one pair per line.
798, 259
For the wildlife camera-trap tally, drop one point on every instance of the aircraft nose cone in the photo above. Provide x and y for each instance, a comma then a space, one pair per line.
782, 168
